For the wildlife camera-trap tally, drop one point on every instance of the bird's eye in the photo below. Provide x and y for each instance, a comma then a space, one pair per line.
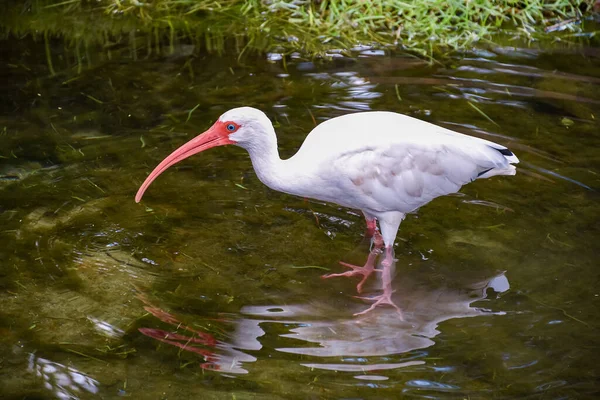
230, 127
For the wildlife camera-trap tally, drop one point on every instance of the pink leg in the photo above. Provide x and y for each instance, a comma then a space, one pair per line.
388, 260
369, 266
373, 233
371, 227
386, 285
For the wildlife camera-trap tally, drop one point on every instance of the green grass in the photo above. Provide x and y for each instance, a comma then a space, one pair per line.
311, 27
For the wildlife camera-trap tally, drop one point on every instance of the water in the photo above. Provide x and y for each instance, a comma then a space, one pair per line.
210, 288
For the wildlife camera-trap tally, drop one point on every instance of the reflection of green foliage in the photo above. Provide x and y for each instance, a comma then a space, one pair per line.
308, 26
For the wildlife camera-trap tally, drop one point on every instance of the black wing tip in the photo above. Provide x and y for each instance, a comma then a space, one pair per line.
506, 152
484, 172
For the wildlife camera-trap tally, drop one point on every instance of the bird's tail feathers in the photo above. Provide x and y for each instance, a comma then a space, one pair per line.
509, 170
511, 158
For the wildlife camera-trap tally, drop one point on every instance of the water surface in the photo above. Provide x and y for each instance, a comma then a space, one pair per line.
211, 288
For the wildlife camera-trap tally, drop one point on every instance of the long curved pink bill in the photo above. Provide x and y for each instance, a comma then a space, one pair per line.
211, 138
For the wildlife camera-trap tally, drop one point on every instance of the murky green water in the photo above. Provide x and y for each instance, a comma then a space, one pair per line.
210, 288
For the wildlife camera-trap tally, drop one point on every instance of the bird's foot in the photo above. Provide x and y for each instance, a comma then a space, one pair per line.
382, 299
355, 270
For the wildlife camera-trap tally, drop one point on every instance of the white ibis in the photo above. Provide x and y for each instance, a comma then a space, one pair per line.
382, 163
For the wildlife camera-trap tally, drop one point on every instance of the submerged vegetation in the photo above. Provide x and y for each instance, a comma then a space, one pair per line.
310, 27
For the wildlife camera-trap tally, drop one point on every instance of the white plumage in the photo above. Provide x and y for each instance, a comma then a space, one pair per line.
382, 163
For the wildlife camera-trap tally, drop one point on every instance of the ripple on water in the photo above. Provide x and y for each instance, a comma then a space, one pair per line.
426, 384
550, 385
371, 377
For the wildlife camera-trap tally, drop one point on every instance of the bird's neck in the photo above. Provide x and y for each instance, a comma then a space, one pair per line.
278, 174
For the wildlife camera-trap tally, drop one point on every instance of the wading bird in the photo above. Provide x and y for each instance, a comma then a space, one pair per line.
382, 163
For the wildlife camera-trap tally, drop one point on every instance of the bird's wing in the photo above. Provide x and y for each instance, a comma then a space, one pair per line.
402, 177
403, 170
353, 132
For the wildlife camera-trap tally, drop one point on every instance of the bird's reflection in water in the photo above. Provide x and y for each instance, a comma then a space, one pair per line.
410, 324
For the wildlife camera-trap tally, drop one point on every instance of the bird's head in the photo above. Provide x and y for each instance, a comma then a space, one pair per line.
244, 126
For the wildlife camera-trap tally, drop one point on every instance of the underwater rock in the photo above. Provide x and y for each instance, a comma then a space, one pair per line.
42, 219
100, 306
16, 172
478, 239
